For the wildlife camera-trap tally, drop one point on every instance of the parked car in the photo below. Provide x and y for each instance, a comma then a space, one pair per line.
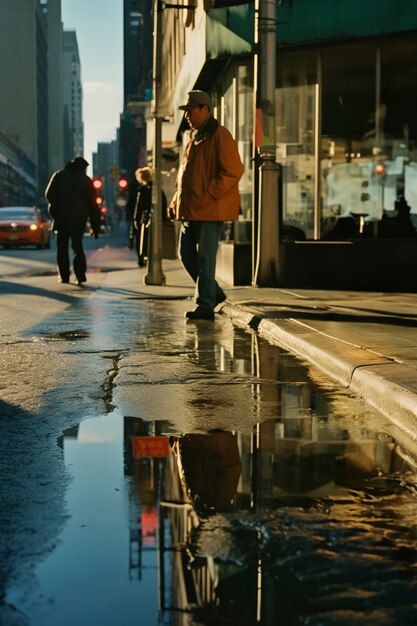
24, 226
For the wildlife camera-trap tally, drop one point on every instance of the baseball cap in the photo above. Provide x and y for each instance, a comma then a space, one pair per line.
195, 99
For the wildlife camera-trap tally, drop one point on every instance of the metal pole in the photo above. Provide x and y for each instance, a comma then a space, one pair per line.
268, 269
155, 275
267, 242
267, 60
317, 151
255, 142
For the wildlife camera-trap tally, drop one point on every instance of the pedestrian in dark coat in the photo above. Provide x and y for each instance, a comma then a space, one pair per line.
143, 211
130, 210
72, 203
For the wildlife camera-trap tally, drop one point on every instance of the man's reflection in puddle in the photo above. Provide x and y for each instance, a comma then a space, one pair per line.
212, 468
204, 512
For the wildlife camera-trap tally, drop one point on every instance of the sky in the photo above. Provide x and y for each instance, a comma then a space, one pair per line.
99, 28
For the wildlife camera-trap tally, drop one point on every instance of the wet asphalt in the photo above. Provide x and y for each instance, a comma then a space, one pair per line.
365, 340
191, 382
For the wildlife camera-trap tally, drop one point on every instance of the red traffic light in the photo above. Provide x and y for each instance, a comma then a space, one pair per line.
380, 169
123, 183
97, 183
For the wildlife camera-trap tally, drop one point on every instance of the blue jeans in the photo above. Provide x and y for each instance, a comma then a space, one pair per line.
197, 251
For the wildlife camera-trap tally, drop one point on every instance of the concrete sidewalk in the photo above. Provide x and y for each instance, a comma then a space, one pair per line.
365, 340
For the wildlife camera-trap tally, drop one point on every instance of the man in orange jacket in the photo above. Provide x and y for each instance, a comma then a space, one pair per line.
207, 195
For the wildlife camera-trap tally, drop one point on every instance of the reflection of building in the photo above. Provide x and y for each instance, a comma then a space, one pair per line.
69, 433
215, 560
346, 130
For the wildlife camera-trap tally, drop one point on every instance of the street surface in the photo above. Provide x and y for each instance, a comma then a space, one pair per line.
322, 527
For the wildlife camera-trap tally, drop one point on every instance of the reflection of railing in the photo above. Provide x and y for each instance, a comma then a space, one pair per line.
136, 549
194, 585
190, 580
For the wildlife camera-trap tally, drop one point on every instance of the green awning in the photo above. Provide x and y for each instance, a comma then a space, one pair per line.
229, 31
303, 21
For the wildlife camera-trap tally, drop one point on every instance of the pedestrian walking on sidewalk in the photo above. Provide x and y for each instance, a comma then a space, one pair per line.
143, 211
72, 203
207, 194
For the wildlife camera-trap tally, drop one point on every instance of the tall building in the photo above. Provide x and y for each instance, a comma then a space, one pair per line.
137, 49
55, 85
137, 55
73, 98
18, 184
106, 165
24, 80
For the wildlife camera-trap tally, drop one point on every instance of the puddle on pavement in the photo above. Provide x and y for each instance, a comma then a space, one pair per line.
309, 518
69, 335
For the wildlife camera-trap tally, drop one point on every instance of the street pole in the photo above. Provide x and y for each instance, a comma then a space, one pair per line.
155, 275
266, 240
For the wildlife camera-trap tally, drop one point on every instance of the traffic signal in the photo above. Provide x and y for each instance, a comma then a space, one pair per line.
380, 169
122, 192
98, 183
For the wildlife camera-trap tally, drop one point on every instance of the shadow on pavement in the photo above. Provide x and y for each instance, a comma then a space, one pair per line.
330, 315
29, 290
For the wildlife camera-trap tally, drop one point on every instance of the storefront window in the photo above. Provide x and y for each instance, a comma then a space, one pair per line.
234, 109
244, 88
227, 118
368, 148
295, 115
350, 184
398, 137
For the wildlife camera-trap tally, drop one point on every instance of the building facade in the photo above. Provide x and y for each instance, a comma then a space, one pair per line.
24, 80
18, 183
346, 134
55, 85
106, 166
137, 57
73, 98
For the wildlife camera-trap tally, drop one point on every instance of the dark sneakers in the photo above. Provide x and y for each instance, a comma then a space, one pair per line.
80, 280
204, 313
200, 313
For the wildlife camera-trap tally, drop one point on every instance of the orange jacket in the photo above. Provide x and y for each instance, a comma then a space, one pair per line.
207, 186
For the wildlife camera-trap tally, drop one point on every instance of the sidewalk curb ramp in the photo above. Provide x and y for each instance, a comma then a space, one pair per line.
385, 384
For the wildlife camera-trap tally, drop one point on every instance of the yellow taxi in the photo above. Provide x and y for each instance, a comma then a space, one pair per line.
24, 226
